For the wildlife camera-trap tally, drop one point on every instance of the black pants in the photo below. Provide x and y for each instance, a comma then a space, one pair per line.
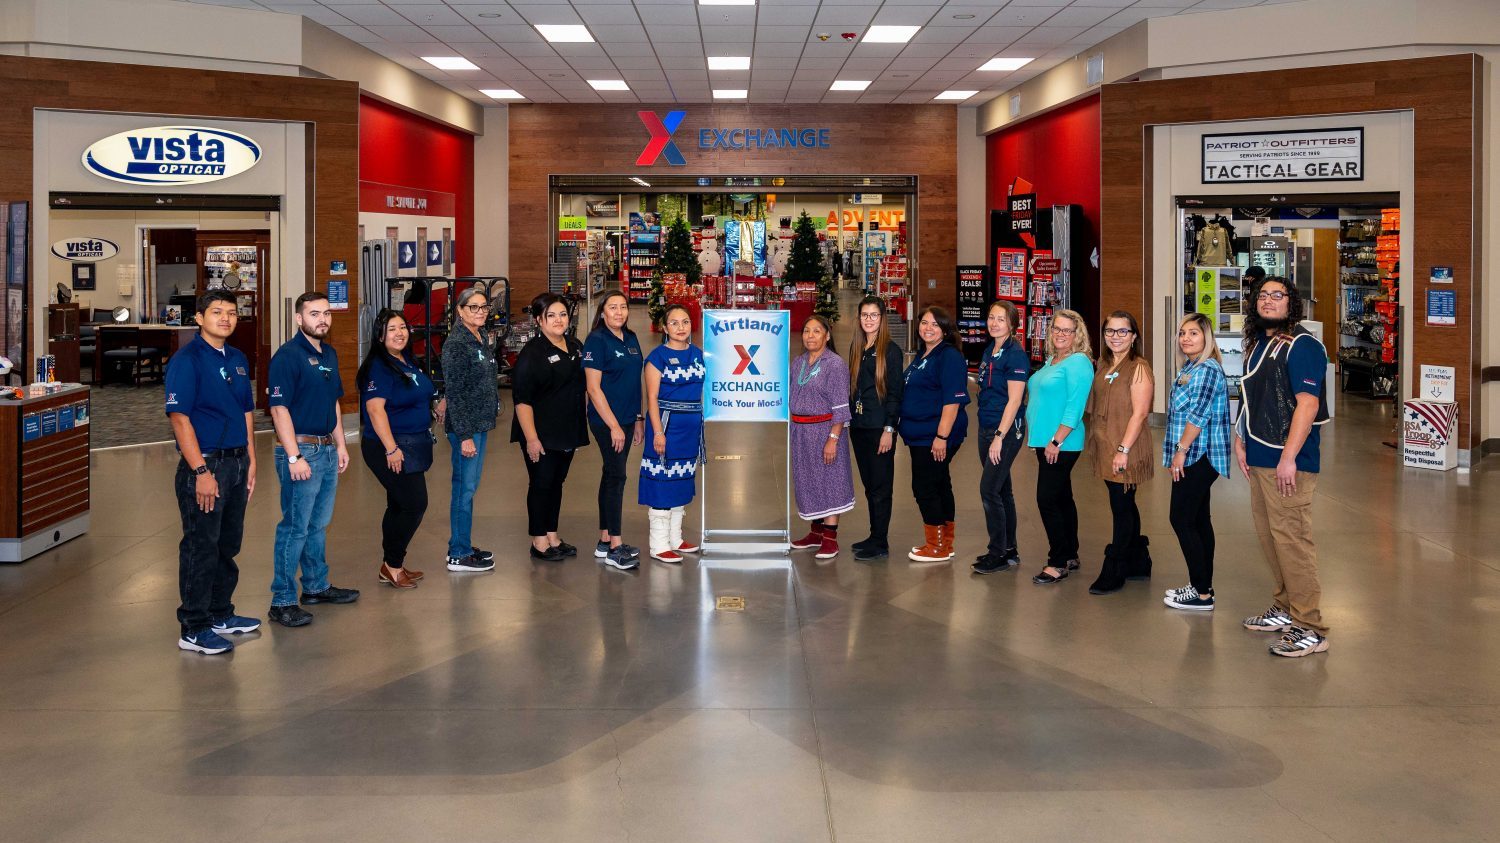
1054, 497
1126, 516
405, 502
932, 484
544, 496
1193, 522
612, 481
996, 494
877, 473
206, 571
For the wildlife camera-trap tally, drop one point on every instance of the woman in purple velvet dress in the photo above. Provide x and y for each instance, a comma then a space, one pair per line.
821, 477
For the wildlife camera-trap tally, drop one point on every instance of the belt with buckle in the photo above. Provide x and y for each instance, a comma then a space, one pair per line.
224, 452
315, 440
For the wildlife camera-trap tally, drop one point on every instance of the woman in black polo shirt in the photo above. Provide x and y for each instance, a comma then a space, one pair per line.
549, 424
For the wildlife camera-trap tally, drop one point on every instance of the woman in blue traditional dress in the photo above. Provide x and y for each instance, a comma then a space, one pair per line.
674, 431
821, 477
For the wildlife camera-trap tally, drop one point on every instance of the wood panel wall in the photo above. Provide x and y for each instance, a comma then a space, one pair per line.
919, 140
329, 107
1444, 95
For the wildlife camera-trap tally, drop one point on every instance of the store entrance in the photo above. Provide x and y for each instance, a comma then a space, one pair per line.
1342, 253
114, 323
614, 231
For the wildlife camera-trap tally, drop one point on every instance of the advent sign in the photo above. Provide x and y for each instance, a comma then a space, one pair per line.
1313, 155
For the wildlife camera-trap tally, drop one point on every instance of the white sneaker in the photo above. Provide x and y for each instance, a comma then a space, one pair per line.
1299, 642
1177, 592
1190, 600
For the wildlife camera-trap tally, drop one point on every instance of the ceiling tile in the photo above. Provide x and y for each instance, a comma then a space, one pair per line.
621, 32
779, 72
629, 48
927, 50
777, 49
740, 16
867, 64
370, 14
1080, 16
579, 50
892, 14
998, 36
943, 34
840, 16
675, 34
780, 34
636, 62
665, 13
671, 48
358, 34
591, 63
1136, 14
511, 33
819, 63
671, 62
529, 50
428, 14
600, 15
912, 63
311, 11
472, 11
1022, 16
946, 17
458, 34
547, 13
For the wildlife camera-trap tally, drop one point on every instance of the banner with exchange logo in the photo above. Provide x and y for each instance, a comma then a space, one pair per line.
746, 355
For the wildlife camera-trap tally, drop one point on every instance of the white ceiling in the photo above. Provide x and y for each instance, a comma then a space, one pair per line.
659, 47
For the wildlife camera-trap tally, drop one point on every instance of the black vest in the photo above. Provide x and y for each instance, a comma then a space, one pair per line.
1266, 396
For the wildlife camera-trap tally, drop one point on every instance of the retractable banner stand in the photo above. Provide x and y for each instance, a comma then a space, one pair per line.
746, 356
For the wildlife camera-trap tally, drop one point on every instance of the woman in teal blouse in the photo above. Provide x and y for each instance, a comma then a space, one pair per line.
1056, 397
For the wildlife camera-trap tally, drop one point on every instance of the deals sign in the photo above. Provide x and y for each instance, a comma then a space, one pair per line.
746, 358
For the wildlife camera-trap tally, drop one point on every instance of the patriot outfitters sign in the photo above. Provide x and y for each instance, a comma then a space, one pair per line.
1313, 155
746, 362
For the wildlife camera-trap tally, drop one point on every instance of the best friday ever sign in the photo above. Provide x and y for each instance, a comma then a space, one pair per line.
746, 361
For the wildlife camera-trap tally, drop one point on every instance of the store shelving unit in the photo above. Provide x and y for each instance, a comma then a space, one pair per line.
642, 258
1367, 303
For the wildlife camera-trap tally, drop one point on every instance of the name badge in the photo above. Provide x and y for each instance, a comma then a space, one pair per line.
554, 358
239, 370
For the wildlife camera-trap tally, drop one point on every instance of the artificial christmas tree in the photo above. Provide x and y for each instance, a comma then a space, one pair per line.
656, 301
806, 264
678, 255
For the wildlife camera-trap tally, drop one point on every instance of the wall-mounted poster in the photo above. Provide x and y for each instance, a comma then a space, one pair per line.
406, 254
231, 267
435, 253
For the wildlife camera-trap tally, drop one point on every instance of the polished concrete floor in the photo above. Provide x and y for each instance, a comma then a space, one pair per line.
848, 701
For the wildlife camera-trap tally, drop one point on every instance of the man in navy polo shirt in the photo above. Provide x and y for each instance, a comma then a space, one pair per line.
209, 403
305, 388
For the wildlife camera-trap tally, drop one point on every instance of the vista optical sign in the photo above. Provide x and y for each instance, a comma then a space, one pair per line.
1313, 155
661, 144
171, 155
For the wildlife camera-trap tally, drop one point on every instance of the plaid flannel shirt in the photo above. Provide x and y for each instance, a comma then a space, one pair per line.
1200, 397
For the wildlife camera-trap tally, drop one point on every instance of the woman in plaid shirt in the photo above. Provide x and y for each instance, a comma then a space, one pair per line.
1196, 449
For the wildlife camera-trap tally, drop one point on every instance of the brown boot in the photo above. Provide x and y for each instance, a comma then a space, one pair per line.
947, 541
931, 549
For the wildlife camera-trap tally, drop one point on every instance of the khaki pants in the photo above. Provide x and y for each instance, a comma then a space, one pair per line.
1285, 528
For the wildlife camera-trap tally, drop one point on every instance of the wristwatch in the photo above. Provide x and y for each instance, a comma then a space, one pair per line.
1056, 444
1122, 449
889, 429
291, 459
833, 436
1183, 448
201, 470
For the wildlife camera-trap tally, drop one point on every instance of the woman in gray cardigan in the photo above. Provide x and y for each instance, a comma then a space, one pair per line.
471, 387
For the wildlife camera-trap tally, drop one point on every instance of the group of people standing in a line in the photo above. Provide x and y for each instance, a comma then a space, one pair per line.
564, 390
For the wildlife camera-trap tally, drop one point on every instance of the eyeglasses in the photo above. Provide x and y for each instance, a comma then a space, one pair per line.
1271, 295
1057, 330
869, 316
1118, 332
477, 308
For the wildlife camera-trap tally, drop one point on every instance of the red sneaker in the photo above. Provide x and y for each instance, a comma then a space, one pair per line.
668, 555
828, 549
812, 539
687, 547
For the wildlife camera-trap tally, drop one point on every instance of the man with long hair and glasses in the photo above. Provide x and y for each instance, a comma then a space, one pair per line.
1276, 443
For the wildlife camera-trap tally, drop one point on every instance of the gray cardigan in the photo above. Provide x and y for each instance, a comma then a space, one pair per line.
471, 384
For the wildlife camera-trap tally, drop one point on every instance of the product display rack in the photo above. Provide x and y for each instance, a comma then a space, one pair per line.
1369, 280
642, 259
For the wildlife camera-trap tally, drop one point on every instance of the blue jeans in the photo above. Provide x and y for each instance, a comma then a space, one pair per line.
466, 474
306, 509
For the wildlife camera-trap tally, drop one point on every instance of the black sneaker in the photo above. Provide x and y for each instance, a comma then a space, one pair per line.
469, 563
204, 641
565, 549
862, 544
635, 552
871, 552
330, 595
484, 555
621, 560
292, 615
992, 565
551, 554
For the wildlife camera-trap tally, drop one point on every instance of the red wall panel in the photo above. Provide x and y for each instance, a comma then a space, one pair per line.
400, 148
1058, 153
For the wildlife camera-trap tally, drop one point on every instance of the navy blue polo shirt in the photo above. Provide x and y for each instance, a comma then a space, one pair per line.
938, 378
408, 394
1306, 368
306, 382
619, 364
996, 373
211, 387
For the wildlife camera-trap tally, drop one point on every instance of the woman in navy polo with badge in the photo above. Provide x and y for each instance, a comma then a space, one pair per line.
395, 409
1003, 370
549, 424
933, 425
612, 366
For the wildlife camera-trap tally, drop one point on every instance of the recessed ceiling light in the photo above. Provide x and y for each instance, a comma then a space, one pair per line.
728, 62
557, 75
900, 75
955, 17
849, 85
502, 94
955, 95
730, 93
640, 181
565, 33
890, 34
450, 63
489, 14
609, 84
1004, 64
726, 2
